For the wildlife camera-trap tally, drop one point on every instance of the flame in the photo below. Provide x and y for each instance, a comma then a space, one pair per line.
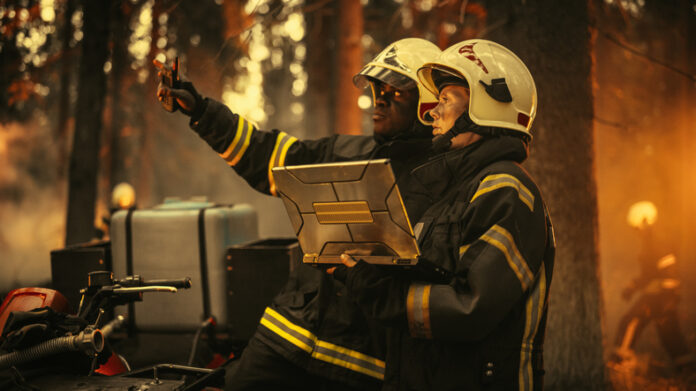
642, 214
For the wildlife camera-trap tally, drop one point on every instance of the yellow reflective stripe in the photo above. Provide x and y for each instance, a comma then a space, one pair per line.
286, 336
497, 181
351, 353
425, 305
280, 150
281, 160
517, 253
322, 350
534, 310
247, 139
289, 324
271, 181
237, 135
240, 143
343, 363
418, 310
463, 249
500, 238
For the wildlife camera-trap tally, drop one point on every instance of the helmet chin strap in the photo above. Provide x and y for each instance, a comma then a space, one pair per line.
463, 124
443, 142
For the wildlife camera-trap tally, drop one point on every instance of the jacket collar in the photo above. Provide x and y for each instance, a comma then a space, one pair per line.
438, 173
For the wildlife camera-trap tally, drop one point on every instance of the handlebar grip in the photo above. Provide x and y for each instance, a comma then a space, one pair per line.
183, 283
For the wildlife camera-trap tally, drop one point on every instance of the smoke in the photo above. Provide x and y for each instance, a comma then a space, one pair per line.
644, 147
32, 204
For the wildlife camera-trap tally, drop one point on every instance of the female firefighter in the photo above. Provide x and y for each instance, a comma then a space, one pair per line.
487, 227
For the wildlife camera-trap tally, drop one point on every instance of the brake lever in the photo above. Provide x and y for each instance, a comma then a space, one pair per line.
143, 289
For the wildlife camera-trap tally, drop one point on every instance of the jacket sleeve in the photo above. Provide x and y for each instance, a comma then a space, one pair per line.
252, 153
499, 259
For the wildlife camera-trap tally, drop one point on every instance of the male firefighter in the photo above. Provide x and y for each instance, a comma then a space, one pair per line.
481, 327
313, 336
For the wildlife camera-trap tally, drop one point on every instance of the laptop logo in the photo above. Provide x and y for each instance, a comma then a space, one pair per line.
350, 212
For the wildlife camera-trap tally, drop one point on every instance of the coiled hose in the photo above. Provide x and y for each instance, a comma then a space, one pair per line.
88, 341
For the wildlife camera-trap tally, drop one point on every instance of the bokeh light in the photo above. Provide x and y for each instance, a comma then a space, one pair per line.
642, 214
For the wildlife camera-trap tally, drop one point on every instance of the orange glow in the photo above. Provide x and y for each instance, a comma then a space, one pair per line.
123, 196
670, 283
666, 261
642, 214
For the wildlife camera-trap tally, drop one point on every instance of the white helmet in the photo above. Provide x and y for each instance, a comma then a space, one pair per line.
502, 91
397, 65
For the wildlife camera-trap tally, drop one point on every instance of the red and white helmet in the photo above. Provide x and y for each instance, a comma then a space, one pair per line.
502, 91
397, 65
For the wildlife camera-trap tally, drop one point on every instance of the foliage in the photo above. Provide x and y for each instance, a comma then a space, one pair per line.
27, 45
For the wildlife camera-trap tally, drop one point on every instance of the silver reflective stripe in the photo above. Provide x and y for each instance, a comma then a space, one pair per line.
240, 143
497, 181
307, 343
534, 310
321, 348
500, 238
418, 310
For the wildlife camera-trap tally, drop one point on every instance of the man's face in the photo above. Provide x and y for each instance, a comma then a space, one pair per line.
395, 110
453, 100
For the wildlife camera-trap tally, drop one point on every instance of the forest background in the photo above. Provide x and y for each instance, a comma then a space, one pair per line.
78, 115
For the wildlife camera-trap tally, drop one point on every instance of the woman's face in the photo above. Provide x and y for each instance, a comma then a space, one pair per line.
452, 102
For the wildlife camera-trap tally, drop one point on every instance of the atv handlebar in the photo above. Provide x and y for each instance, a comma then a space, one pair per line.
137, 281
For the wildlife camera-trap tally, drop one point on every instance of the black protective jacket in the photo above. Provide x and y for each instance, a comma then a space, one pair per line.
312, 322
482, 326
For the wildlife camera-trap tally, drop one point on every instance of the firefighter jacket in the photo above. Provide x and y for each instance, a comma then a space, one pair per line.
481, 327
312, 322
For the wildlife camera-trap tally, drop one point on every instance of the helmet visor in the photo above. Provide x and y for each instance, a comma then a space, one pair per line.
443, 77
387, 76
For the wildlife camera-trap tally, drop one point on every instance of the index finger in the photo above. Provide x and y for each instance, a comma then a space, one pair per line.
158, 64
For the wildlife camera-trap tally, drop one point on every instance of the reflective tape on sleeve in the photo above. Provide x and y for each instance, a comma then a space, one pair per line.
498, 181
240, 142
534, 312
322, 350
280, 150
418, 310
501, 239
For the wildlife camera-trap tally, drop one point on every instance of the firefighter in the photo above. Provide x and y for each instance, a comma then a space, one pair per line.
482, 326
312, 336
658, 300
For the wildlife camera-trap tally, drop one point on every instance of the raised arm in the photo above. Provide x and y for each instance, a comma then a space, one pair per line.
253, 152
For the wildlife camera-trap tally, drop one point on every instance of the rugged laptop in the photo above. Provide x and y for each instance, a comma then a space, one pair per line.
352, 207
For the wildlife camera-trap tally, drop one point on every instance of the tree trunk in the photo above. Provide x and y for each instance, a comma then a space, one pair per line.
82, 177
350, 31
64, 100
320, 95
554, 41
120, 153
